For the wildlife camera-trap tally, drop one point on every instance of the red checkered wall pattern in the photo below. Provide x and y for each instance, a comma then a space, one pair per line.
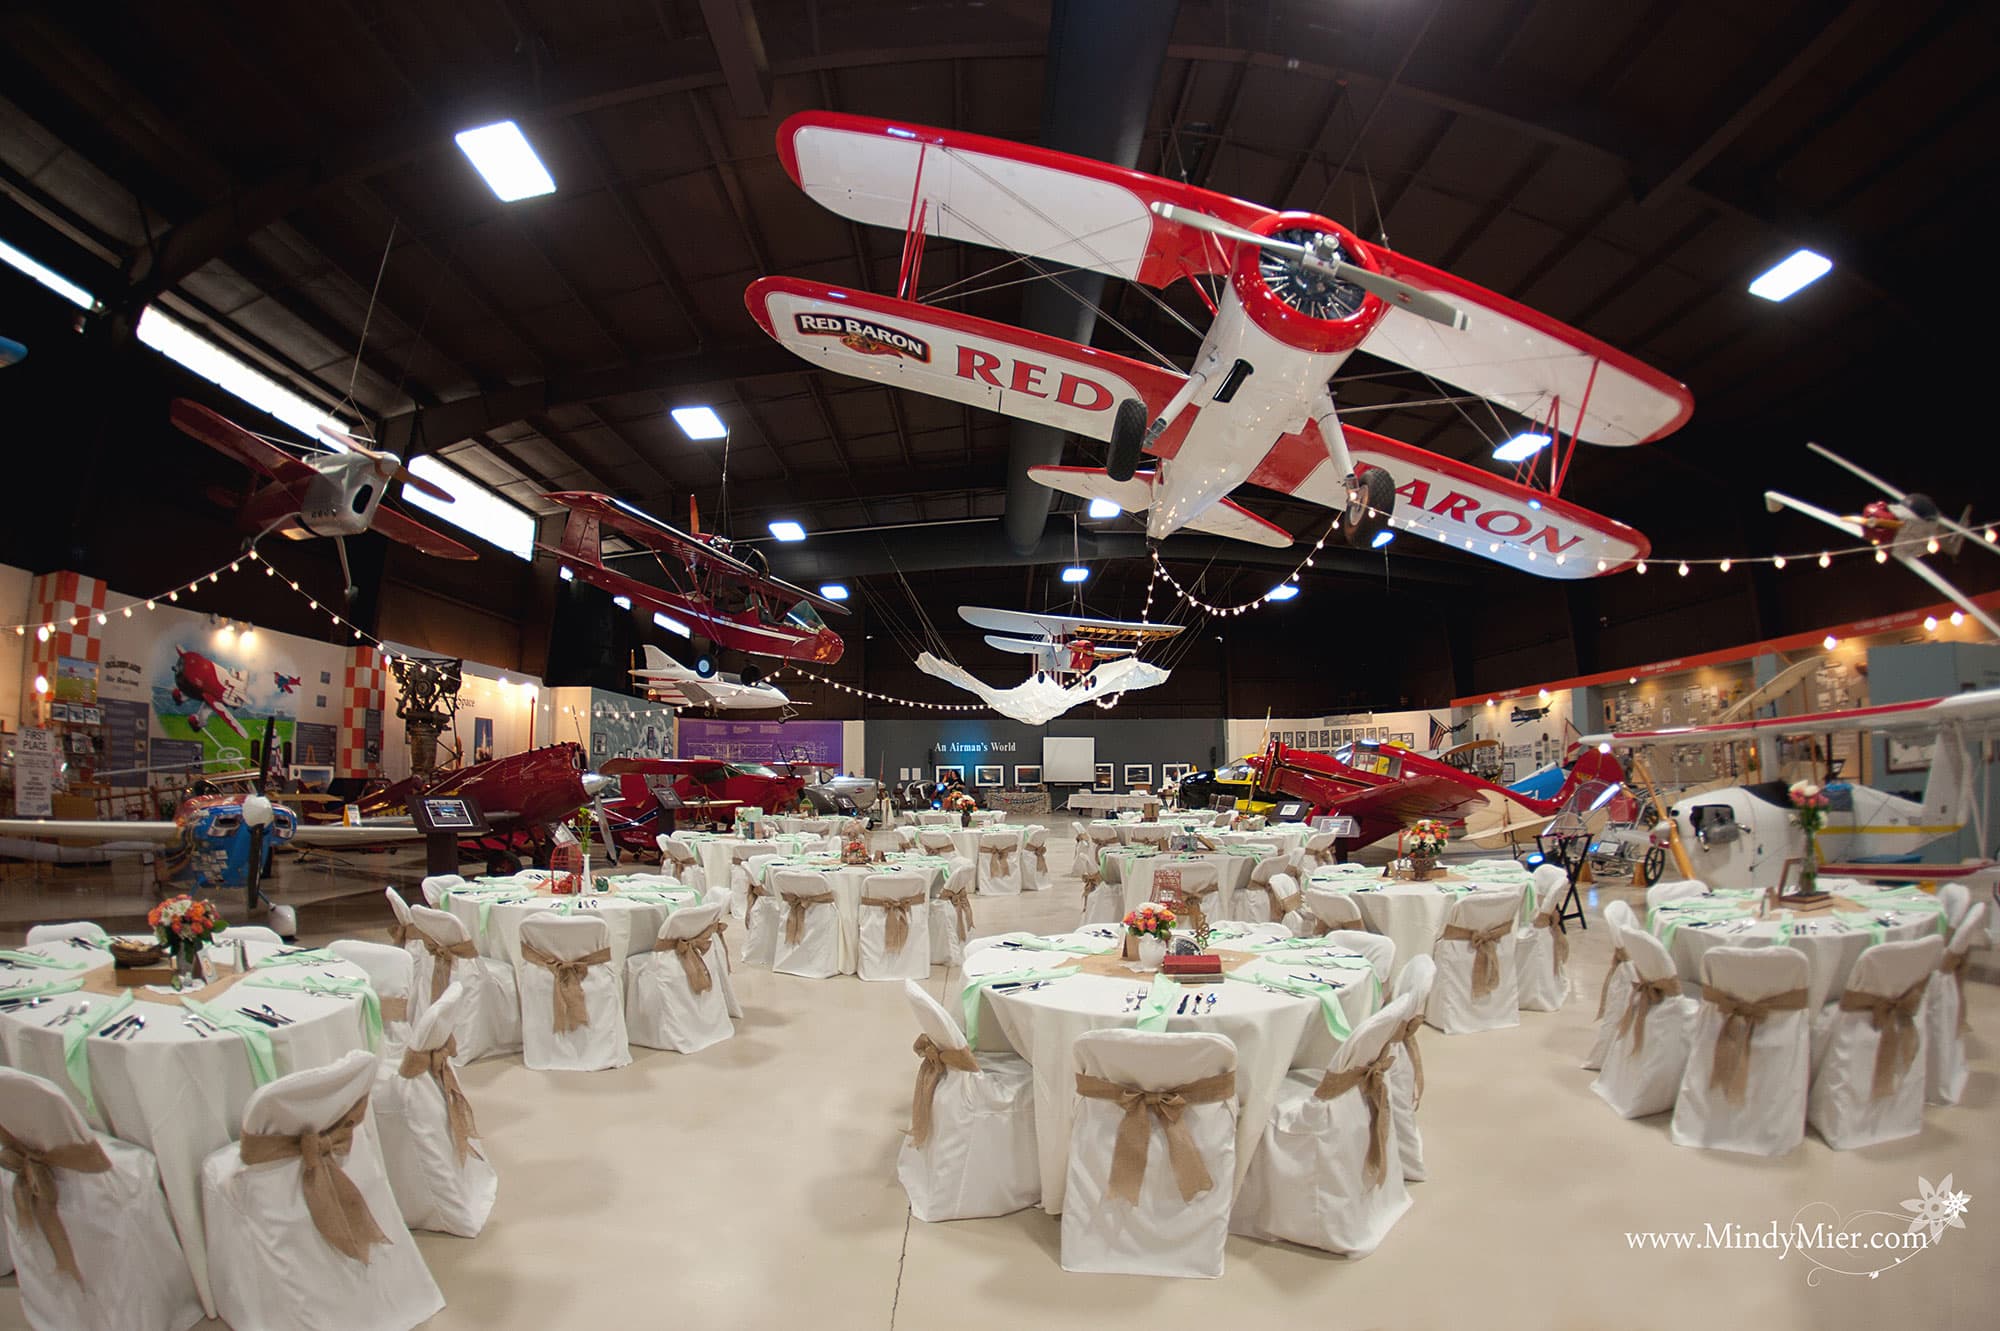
364, 685
55, 599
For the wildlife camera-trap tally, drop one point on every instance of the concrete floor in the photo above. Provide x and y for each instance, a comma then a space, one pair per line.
752, 1185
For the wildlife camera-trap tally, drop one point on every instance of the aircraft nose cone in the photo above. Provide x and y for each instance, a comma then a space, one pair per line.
596, 783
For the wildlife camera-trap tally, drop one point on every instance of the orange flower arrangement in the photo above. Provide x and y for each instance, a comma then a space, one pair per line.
182, 923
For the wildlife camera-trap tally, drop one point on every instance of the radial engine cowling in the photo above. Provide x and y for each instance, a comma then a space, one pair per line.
1292, 297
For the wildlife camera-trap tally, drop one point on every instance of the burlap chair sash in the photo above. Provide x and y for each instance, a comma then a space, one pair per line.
400, 933
1485, 953
896, 927
1953, 965
1619, 957
338, 1210
1558, 940
1322, 858
929, 1073
693, 952
961, 905
1130, 1148
571, 1012
1091, 878
1406, 1036
1894, 1017
797, 903
1729, 1069
1373, 1079
395, 1009
443, 957
999, 861
1041, 854
1646, 995
458, 1110
36, 1191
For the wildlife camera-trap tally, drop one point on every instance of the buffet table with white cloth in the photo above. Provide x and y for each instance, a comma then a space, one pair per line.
173, 1086
1290, 1004
1411, 913
848, 880
1832, 939
632, 906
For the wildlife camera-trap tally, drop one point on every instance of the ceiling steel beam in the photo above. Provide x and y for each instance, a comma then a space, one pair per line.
739, 49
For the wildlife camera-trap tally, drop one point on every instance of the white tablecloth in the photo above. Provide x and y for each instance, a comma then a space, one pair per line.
1124, 828
1084, 800
1412, 914
1286, 837
632, 913
1830, 939
716, 851
1273, 1032
1135, 875
176, 1093
847, 880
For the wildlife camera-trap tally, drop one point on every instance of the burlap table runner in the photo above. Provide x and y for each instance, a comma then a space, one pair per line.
102, 980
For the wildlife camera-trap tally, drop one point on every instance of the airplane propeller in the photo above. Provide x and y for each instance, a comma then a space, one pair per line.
1915, 502
387, 465
1397, 292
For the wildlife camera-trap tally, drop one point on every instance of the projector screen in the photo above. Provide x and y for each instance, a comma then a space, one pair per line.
1070, 760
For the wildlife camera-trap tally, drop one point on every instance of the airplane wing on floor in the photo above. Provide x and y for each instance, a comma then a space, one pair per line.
91, 829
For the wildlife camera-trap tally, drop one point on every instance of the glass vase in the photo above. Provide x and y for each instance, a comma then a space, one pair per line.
187, 964
1809, 866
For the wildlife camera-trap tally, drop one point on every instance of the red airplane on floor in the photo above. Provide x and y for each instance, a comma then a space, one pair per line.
523, 797
1385, 788
729, 599
336, 493
1298, 295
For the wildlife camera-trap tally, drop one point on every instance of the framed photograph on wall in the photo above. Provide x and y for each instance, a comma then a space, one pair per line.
1173, 771
989, 778
951, 773
1138, 774
1027, 774
1107, 777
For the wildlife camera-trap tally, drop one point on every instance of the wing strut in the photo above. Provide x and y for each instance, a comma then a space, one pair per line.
913, 233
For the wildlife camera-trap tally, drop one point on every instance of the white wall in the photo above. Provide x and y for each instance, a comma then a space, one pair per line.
1248, 736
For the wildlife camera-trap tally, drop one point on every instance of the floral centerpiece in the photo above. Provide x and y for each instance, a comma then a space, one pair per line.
1809, 806
1150, 927
959, 801
1423, 843
184, 926
853, 845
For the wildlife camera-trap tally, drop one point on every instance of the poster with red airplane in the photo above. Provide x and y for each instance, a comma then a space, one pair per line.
213, 690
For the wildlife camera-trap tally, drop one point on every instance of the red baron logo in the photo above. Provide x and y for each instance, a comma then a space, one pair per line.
870, 339
1504, 524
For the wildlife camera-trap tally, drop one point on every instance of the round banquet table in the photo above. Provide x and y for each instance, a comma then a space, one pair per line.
1411, 914
716, 850
1273, 1030
847, 880
799, 824
1831, 938
1135, 869
167, 1087
947, 818
1123, 828
493, 909
1284, 838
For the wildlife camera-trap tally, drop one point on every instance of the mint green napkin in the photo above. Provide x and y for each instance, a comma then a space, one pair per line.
1159, 1004
36, 959
256, 1037
347, 986
40, 989
1267, 973
317, 956
968, 998
76, 1057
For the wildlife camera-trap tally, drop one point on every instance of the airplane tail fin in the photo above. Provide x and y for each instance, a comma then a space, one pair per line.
657, 659
580, 538
1222, 518
1595, 778
1949, 790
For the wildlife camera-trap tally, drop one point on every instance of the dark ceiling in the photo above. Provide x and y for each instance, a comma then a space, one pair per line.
261, 169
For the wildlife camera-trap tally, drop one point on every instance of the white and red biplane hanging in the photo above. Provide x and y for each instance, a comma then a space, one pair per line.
1301, 294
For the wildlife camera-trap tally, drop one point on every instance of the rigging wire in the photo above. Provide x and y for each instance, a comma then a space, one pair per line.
354, 372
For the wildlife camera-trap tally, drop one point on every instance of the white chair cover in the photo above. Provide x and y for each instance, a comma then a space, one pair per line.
1083, 855
1380, 951
1318, 849
1770, 1116
391, 974
433, 887
269, 1264
1615, 991
1000, 855
248, 933
906, 838
1944, 1011
678, 859
1956, 899
56, 933
1643, 1068
1455, 1008
1328, 909
1103, 898
1868, 1085
1679, 889
1253, 904
492, 1024
1541, 951
815, 950
662, 1008
1404, 1097
434, 1189
911, 961
763, 922
935, 840
1328, 1173
1153, 835
130, 1274
600, 1041
978, 1157
1035, 870
1163, 1233
947, 935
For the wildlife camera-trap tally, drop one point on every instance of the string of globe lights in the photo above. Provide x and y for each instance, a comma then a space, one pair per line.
873, 696
43, 629
1220, 611
1824, 558
600, 712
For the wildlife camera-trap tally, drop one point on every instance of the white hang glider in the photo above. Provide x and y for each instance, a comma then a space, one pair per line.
1077, 660
667, 680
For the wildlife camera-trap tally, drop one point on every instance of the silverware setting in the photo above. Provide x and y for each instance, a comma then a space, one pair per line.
69, 1013
124, 1028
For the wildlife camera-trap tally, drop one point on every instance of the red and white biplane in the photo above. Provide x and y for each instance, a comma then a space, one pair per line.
727, 599
1301, 294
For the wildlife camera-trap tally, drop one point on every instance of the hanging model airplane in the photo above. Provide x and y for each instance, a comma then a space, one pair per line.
1743, 836
727, 600
1301, 294
667, 680
1077, 660
1906, 527
336, 493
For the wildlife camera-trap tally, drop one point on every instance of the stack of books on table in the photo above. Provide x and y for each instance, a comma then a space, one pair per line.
1202, 968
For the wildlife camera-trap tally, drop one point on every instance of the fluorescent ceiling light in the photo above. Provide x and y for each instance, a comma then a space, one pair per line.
1105, 508
672, 625
1284, 591
503, 155
787, 530
1521, 447
622, 602
833, 591
1800, 270
1382, 538
180, 343
567, 573
1075, 573
472, 507
48, 277
699, 422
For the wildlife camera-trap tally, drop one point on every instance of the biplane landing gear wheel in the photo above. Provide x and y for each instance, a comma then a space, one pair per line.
1128, 432
1368, 509
502, 864
1652, 867
704, 658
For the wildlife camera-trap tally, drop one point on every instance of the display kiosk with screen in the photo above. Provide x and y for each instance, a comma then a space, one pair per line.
444, 819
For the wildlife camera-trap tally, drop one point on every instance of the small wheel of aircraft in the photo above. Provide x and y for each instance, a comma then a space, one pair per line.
1300, 294
1742, 836
728, 600
1906, 527
1077, 660
667, 680
336, 493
